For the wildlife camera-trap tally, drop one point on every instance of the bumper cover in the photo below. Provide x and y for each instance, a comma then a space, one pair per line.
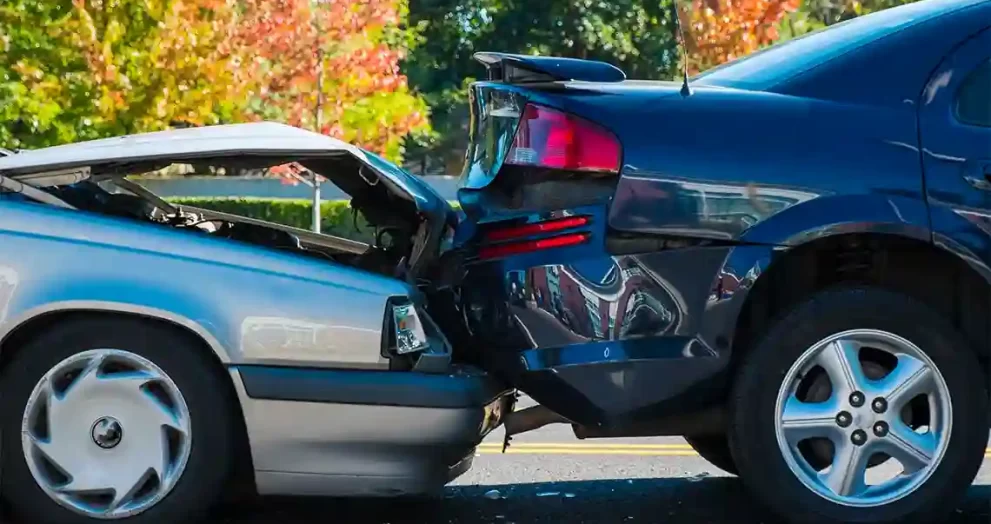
365, 433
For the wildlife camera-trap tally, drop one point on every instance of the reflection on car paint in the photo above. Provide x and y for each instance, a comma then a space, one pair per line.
622, 303
650, 203
8, 288
274, 339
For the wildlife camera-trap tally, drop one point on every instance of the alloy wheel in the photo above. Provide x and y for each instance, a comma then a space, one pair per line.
878, 432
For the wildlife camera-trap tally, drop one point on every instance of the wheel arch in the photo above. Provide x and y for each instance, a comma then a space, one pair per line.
36, 321
29, 320
903, 263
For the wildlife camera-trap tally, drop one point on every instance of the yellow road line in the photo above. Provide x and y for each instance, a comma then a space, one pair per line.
579, 445
559, 451
556, 448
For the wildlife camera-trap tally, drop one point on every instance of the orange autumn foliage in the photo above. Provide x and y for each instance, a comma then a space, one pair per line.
83, 69
366, 100
722, 30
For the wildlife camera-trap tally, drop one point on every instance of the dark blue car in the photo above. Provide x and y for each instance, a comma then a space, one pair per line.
787, 261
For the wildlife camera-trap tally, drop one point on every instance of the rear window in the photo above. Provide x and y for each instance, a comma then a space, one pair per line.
780, 62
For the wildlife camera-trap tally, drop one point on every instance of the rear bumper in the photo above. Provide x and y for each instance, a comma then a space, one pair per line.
364, 433
606, 341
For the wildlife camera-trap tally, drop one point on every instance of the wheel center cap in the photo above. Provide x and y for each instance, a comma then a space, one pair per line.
107, 432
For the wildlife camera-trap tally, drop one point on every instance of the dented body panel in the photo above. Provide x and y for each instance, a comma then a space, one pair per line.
640, 320
301, 323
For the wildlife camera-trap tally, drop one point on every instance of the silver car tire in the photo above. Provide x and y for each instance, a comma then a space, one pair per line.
860, 405
114, 420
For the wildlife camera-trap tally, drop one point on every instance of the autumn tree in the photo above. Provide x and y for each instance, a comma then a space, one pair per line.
339, 56
157, 63
80, 69
722, 30
45, 89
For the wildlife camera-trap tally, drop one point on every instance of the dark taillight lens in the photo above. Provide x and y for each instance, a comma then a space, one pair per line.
550, 138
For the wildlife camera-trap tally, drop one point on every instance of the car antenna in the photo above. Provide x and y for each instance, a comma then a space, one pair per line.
686, 89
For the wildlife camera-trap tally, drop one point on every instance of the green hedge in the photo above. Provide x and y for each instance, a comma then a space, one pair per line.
335, 215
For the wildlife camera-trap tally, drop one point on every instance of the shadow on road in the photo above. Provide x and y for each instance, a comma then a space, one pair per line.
667, 501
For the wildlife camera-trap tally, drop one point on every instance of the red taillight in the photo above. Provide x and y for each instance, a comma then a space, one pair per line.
550, 138
516, 248
550, 226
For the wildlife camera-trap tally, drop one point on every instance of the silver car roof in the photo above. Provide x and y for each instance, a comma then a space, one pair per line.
259, 138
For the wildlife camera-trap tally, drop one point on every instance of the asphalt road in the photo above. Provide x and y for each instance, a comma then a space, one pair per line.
550, 477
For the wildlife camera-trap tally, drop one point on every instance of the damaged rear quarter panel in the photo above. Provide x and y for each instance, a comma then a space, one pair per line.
251, 304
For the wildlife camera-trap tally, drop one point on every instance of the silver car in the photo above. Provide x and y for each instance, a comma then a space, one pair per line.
150, 353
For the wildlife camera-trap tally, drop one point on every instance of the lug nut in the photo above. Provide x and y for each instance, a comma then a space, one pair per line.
881, 429
843, 419
879, 405
856, 399
859, 438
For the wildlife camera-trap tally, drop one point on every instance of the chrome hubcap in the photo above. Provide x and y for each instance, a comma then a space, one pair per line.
106, 433
879, 429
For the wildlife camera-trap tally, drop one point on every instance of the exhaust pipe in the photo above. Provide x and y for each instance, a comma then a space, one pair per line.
531, 418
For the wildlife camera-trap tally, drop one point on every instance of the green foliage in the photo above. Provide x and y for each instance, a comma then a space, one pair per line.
45, 91
635, 35
797, 24
80, 69
822, 13
336, 216
73, 70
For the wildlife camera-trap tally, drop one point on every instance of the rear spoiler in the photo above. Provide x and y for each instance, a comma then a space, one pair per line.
520, 69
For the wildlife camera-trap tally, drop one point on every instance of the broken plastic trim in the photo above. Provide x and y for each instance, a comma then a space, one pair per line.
531, 418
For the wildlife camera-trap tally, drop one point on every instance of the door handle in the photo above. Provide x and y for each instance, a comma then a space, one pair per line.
978, 174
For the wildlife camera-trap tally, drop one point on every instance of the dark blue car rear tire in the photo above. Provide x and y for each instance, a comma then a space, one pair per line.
715, 450
853, 381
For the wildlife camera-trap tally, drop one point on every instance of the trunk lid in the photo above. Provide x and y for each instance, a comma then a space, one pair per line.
382, 191
254, 139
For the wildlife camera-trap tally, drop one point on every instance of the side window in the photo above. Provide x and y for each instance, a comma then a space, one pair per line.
973, 100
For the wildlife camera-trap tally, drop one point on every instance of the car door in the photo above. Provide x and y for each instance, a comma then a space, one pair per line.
955, 133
